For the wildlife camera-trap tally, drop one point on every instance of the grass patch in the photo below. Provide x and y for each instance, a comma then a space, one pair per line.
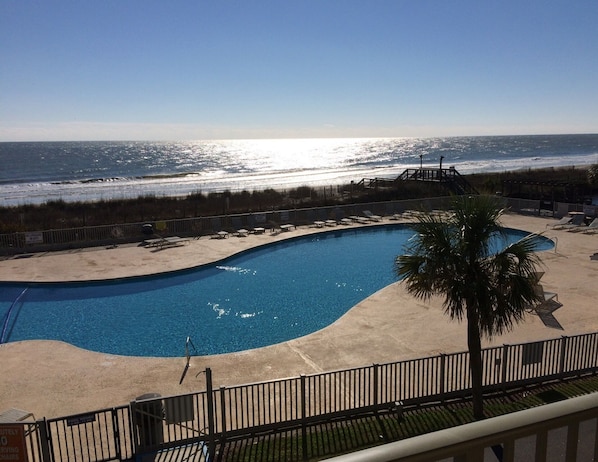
344, 436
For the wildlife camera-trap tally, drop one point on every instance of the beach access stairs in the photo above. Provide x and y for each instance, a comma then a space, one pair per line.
450, 178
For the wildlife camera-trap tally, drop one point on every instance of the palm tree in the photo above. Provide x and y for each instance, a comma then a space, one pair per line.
454, 258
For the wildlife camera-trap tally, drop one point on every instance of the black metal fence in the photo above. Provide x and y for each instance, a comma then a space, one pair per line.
36, 241
94, 436
200, 226
206, 419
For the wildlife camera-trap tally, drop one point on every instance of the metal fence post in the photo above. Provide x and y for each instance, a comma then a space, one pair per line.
376, 385
44, 440
223, 410
442, 375
211, 430
505, 361
563, 354
116, 433
303, 416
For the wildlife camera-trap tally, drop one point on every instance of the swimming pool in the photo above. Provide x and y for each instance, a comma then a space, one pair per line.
260, 297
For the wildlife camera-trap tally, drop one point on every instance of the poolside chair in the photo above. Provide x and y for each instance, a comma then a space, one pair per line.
548, 303
562, 222
370, 216
217, 231
257, 223
395, 213
13, 415
358, 219
543, 295
240, 231
592, 227
389, 209
577, 222
173, 241
165, 242
220, 235
321, 215
285, 220
545, 312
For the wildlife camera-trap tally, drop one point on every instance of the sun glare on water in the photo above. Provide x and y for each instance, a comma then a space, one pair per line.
298, 154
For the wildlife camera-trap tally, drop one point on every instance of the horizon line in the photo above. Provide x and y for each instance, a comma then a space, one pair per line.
190, 140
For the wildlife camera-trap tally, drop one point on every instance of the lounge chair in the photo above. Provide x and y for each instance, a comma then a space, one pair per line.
568, 222
152, 242
221, 235
545, 296
13, 415
541, 294
257, 223
548, 302
562, 222
395, 213
174, 241
370, 216
358, 219
592, 227
545, 312
577, 223
239, 228
164, 242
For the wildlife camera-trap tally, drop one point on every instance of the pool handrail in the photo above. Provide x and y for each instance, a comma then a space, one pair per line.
8, 313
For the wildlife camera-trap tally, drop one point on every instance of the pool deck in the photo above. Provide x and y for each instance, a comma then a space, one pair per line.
55, 379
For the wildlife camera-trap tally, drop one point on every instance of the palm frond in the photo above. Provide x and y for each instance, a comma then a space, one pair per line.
452, 258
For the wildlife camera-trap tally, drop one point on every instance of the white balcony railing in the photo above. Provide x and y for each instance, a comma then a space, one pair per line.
562, 431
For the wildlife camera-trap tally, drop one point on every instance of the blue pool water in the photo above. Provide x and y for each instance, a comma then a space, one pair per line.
260, 297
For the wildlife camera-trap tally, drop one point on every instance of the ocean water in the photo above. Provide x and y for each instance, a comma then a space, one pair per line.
37, 172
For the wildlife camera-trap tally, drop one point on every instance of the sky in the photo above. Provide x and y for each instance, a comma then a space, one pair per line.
219, 69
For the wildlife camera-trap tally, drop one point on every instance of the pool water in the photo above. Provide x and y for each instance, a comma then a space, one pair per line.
260, 297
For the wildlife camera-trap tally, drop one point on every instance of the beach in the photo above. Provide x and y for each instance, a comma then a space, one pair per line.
38, 172
53, 379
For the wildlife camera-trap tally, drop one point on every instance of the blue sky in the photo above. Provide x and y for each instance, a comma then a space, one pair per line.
128, 69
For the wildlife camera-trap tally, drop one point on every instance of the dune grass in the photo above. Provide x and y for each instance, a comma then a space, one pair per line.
573, 186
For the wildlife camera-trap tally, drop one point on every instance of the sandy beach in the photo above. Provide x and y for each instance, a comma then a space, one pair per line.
54, 379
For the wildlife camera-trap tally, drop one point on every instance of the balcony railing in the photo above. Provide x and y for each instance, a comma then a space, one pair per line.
565, 431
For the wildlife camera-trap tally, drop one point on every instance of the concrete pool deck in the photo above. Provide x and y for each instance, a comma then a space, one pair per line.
54, 379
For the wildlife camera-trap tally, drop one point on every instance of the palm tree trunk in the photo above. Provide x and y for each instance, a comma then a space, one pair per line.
474, 346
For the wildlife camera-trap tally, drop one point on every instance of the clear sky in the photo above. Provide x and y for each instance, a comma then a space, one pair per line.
218, 69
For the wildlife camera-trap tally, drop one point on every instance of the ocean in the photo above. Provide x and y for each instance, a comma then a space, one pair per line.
38, 172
